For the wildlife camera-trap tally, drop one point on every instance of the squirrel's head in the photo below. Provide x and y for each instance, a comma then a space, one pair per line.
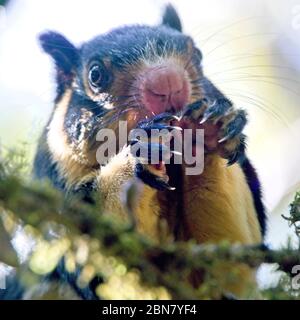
154, 68
131, 72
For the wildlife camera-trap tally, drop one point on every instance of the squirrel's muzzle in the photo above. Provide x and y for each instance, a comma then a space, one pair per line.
164, 88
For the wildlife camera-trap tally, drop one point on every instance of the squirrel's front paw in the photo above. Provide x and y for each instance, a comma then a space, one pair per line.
150, 149
222, 124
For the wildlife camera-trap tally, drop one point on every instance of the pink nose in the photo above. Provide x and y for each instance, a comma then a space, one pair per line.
164, 89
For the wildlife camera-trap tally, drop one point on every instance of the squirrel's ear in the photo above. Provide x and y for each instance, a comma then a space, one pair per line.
63, 52
171, 18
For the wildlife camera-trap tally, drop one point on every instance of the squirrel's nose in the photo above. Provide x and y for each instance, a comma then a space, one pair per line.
164, 88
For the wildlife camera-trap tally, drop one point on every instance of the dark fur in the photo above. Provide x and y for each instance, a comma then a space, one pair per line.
44, 167
126, 45
255, 187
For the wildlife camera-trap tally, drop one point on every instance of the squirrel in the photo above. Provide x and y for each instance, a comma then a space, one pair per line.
151, 77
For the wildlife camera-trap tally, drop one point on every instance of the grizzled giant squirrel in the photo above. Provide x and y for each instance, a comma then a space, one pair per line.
151, 77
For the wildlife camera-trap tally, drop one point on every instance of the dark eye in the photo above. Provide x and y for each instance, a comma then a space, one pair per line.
95, 75
98, 77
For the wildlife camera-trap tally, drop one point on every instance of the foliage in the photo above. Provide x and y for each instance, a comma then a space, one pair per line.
93, 245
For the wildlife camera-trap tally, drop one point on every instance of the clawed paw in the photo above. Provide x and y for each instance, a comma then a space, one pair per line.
222, 124
151, 150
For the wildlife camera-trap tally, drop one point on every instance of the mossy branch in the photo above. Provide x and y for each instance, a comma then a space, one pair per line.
167, 264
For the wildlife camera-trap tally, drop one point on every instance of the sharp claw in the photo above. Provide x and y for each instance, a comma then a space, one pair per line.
176, 128
205, 118
230, 135
166, 185
224, 139
176, 118
170, 127
171, 188
214, 111
176, 153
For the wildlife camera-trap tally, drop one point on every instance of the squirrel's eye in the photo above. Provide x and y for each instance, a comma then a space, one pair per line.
99, 77
95, 76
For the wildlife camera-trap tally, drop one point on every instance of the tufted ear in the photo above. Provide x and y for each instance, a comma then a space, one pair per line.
65, 56
63, 52
171, 18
